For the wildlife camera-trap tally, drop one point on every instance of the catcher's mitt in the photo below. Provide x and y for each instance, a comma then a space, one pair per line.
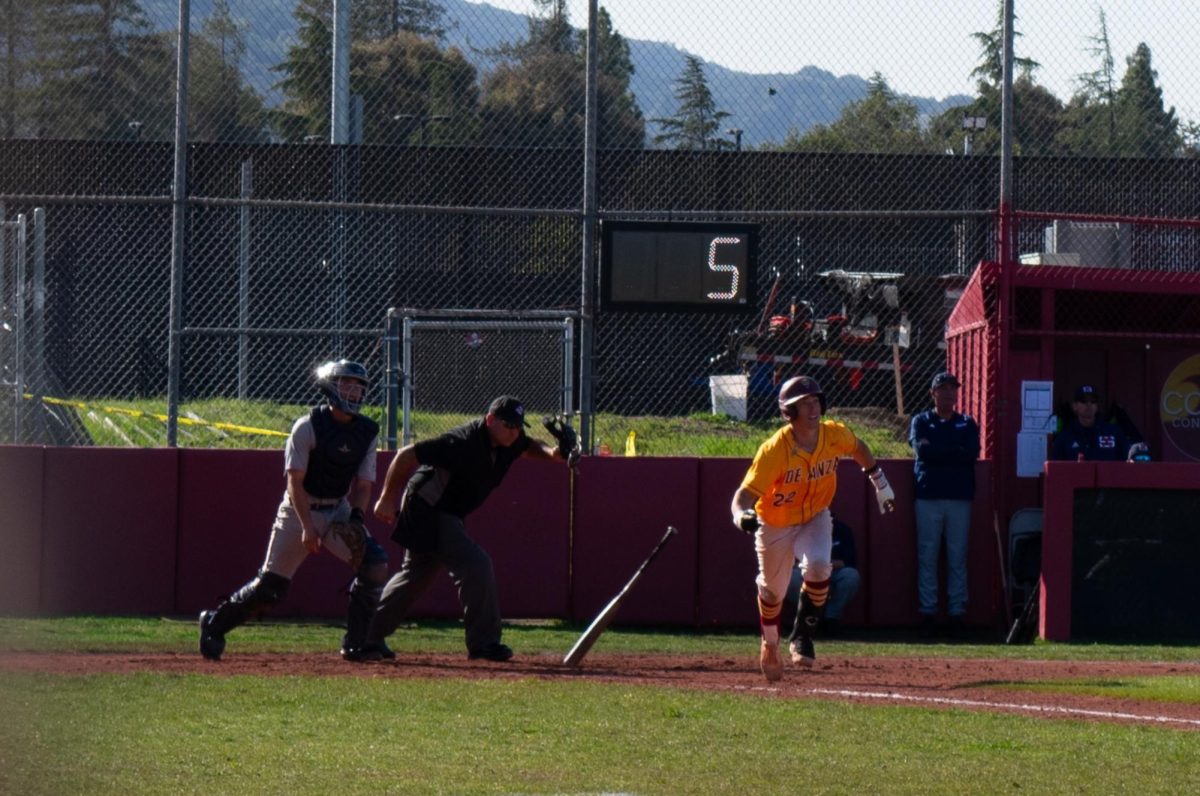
568, 441
353, 534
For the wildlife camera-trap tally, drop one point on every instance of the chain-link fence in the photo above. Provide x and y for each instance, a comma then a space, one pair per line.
442, 156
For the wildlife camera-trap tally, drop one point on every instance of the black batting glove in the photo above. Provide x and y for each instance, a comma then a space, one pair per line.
748, 521
357, 517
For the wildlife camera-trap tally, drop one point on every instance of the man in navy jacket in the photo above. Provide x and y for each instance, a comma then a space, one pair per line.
946, 445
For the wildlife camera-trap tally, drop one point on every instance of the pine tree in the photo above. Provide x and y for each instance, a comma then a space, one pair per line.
306, 73
991, 69
1144, 128
16, 54
100, 71
697, 123
221, 106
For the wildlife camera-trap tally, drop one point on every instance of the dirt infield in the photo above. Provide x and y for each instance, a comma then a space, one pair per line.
942, 683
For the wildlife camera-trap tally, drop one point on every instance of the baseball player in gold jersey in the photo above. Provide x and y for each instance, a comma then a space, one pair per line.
784, 501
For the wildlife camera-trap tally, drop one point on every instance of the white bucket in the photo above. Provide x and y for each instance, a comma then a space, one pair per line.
729, 395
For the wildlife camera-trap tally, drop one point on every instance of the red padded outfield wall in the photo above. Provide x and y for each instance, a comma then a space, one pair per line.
171, 531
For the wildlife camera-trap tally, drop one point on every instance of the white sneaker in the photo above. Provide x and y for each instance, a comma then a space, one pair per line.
769, 661
802, 652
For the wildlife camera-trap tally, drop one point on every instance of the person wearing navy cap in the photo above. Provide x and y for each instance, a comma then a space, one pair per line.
1088, 436
945, 445
430, 488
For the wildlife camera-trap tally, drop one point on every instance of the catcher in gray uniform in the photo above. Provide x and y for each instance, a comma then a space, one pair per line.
330, 466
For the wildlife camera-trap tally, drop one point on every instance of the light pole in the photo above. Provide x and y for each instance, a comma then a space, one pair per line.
736, 132
970, 123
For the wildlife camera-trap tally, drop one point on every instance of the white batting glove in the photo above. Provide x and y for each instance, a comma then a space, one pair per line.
883, 490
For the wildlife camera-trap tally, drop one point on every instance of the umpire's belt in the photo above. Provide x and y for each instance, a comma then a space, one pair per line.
325, 506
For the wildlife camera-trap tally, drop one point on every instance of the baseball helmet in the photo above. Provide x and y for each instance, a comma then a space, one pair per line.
795, 389
328, 376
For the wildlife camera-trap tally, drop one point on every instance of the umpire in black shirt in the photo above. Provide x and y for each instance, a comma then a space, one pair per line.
444, 479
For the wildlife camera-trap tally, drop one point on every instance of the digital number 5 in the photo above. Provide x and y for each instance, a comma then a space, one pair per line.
713, 265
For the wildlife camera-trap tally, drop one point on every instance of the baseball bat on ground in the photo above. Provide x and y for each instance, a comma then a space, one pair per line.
605, 617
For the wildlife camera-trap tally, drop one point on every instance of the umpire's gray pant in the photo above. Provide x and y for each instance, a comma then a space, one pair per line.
470, 568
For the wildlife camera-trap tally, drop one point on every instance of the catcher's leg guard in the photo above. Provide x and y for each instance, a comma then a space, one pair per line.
364, 597
248, 602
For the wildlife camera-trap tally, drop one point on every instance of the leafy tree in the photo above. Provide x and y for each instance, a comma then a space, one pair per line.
537, 96
880, 122
422, 17
16, 54
221, 107
99, 71
621, 119
1144, 127
551, 31
413, 92
698, 121
1037, 113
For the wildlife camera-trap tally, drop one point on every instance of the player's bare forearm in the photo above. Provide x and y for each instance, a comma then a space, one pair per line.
540, 450
399, 471
863, 456
743, 499
298, 496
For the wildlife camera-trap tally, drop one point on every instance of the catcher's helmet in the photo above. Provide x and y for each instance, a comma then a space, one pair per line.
795, 389
329, 374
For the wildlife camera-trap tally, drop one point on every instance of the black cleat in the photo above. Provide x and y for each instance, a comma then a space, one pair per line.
369, 652
492, 652
211, 644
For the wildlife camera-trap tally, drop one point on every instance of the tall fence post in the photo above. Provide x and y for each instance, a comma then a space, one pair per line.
393, 374
247, 190
587, 268
178, 226
37, 326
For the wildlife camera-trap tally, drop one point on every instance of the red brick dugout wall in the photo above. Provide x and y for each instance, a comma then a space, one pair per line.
170, 531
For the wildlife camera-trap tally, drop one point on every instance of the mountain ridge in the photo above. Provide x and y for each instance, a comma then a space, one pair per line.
765, 107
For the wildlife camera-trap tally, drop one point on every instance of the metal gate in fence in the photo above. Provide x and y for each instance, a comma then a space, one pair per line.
22, 340
450, 363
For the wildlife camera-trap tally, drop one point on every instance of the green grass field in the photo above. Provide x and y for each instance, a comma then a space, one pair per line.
153, 733
227, 423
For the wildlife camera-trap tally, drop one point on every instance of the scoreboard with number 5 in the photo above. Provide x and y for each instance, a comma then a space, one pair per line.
677, 266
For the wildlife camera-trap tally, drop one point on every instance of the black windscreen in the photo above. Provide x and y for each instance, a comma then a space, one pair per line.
1136, 564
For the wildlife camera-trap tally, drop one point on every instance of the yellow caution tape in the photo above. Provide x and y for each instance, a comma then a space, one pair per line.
162, 418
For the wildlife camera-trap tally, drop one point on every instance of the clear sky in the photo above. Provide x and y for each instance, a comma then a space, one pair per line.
922, 47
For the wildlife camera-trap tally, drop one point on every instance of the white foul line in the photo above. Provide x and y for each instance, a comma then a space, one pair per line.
1104, 714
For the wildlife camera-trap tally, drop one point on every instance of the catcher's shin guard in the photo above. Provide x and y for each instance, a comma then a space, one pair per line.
245, 604
364, 597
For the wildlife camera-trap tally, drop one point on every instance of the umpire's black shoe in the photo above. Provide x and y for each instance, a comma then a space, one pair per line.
368, 652
211, 644
492, 652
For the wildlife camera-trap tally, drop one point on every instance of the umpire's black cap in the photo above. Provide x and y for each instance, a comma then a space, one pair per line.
510, 410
